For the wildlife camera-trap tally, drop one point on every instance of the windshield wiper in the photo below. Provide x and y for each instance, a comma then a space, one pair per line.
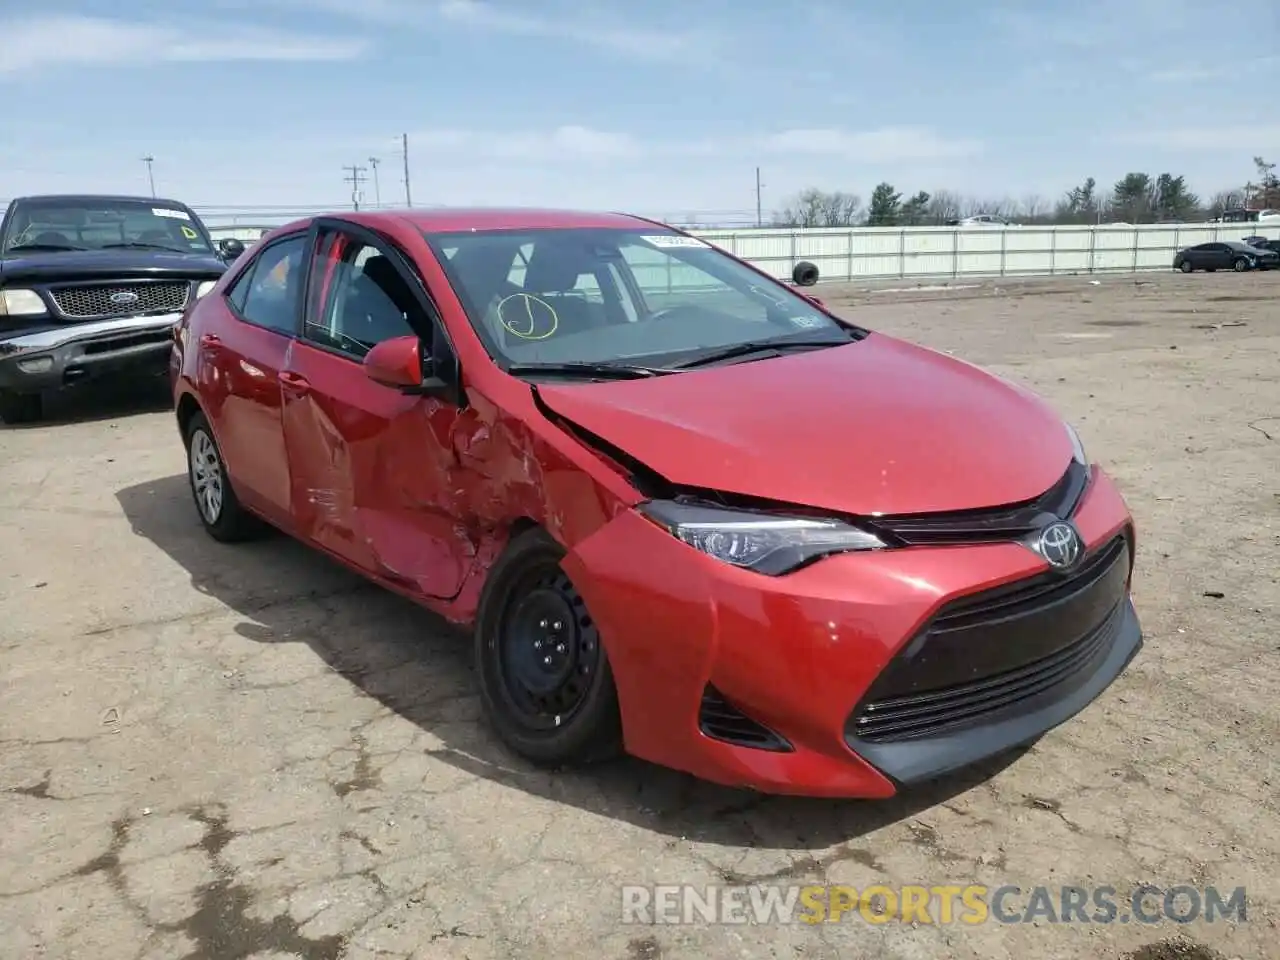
138, 245
588, 371
43, 246
756, 346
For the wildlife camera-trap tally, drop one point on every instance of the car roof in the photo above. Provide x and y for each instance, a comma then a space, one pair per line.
98, 197
455, 219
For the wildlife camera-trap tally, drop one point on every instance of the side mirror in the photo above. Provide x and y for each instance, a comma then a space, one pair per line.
398, 363
805, 274
230, 249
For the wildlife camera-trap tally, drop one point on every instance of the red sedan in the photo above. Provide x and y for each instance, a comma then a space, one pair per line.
691, 514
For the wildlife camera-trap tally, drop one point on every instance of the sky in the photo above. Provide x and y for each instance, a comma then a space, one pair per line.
661, 107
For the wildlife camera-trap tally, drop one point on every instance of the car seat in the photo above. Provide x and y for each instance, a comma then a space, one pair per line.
370, 312
552, 274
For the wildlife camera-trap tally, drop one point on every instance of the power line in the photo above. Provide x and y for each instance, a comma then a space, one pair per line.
355, 179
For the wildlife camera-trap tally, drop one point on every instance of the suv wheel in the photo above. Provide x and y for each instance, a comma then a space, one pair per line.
216, 503
20, 407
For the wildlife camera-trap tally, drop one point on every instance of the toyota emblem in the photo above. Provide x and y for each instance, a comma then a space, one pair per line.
1060, 545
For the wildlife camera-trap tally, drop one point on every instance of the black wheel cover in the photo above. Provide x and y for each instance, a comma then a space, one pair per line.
546, 649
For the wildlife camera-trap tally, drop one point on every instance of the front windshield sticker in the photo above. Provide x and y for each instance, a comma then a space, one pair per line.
190, 234
807, 321
175, 214
674, 240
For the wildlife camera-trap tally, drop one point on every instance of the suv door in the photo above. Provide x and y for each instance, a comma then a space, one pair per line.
240, 363
373, 469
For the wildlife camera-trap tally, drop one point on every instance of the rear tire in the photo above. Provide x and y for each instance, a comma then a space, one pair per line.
1240, 265
216, 503
545, 680
1186, 266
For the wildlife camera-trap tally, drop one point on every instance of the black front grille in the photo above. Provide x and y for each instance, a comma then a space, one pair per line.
720, 720
985, 525
101, 301
999, 650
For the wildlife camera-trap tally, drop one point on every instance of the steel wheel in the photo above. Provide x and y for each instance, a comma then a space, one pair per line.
546, 682
548, 649
206, 476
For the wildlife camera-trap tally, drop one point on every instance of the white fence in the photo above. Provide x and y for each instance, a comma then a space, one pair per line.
920, 253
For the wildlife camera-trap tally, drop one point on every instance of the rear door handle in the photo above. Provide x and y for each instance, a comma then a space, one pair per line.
294, 383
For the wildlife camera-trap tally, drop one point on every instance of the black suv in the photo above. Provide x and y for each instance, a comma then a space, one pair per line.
92, 286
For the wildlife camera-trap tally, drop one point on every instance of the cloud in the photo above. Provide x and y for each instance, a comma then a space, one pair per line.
578, 23
1245, 139
37, 42
895, 144
872, 146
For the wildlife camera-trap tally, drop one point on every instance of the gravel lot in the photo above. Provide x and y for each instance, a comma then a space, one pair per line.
222, 753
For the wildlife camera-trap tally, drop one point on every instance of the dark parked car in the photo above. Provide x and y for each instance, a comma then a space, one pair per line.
1263, 243
627, 485
92, 286
1225, 255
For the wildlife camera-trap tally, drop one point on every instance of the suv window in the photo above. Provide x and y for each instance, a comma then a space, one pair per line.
362, 299
267, 293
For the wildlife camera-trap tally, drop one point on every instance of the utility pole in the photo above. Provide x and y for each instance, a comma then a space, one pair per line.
377, 190
408, 198
355, 179
759, 208
149, 160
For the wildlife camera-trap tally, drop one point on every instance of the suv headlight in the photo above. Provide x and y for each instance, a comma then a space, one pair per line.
21, 303
762, 542
205, 287
1077, 448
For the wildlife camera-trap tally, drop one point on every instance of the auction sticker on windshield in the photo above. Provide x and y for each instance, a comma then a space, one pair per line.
174, 214
674, 240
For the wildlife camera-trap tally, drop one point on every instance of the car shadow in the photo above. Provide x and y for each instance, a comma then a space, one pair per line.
419, 666
101, 400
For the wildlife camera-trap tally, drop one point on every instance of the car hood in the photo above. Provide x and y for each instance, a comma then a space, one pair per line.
36, 267
878, 426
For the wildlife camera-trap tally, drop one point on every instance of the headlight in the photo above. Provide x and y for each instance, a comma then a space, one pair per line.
205, 287
21, 303
762, 542
1077, 448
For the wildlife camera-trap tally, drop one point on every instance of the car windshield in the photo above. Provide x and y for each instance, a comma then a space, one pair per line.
54, 224
612, 296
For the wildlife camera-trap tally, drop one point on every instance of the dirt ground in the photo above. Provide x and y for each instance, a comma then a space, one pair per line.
221, 753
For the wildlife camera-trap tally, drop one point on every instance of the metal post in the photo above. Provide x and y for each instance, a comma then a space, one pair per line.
149, 160
404, 141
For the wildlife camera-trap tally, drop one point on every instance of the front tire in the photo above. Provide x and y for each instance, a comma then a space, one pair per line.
545, 680
1240, 265
216, 503
16, 408
1186, 266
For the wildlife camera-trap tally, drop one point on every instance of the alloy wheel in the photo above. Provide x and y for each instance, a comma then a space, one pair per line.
206, 476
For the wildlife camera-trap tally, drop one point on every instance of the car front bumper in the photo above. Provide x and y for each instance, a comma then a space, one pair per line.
55, 357
870, 671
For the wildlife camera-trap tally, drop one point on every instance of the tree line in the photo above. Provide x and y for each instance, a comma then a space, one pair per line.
1134, 198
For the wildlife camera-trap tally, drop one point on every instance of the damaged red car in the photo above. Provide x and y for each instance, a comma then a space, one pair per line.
690, 513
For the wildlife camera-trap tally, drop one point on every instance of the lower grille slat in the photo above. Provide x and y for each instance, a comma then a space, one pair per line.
992, 652
100, 301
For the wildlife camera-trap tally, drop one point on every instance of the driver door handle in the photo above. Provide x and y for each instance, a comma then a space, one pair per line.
294, 383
